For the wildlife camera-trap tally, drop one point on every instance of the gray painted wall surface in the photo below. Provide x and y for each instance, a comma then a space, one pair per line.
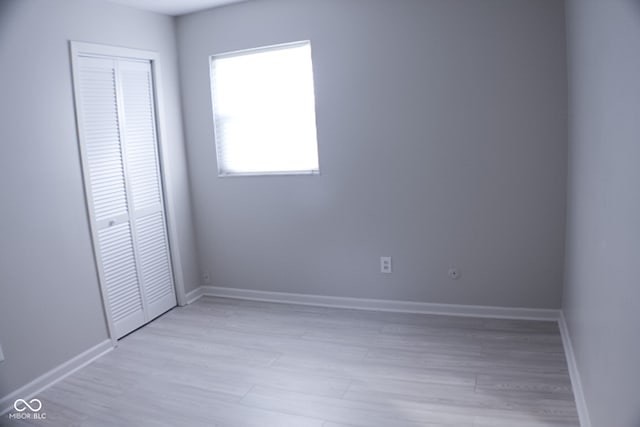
50, 306
442, 140
601, 297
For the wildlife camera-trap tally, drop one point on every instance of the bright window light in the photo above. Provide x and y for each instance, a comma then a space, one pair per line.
264, 111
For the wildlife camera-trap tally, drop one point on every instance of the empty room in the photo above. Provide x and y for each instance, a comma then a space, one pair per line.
322, 213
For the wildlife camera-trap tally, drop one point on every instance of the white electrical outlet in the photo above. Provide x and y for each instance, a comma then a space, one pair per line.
206, 277
385, 265
1, 355
454, 273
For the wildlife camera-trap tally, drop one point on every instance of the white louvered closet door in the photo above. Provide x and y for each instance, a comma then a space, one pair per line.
124, 190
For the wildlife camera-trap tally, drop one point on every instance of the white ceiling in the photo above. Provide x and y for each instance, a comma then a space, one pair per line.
174, 7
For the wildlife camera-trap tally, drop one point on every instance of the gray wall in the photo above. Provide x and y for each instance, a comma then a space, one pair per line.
602, 294
442, 139
50, 306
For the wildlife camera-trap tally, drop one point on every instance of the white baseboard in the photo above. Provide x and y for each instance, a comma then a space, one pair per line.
194, 295
576, 383
382, 305
56, 374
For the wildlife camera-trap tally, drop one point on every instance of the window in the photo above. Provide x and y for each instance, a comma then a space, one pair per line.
264, 111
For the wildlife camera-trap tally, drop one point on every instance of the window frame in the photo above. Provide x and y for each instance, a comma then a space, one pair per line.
222, 173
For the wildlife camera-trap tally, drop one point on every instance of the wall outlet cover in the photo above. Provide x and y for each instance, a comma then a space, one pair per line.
385, 265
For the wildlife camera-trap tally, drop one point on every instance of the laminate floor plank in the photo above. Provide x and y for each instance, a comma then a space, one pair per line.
231, 363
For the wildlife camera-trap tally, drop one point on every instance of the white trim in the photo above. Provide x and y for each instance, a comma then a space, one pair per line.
58, 373
383, 305
166, 176
194, 295
574, 374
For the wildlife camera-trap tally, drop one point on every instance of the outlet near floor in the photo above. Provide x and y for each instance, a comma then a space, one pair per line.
385, 265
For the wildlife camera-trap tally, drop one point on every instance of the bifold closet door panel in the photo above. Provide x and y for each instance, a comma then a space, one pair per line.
121, 278
107, 191
144, 179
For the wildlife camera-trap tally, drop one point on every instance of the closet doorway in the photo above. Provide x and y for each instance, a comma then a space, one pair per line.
117, 127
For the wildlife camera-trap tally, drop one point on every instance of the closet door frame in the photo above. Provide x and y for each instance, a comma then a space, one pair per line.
78, 49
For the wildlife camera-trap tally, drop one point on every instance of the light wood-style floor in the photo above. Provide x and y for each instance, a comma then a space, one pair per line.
231, 363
